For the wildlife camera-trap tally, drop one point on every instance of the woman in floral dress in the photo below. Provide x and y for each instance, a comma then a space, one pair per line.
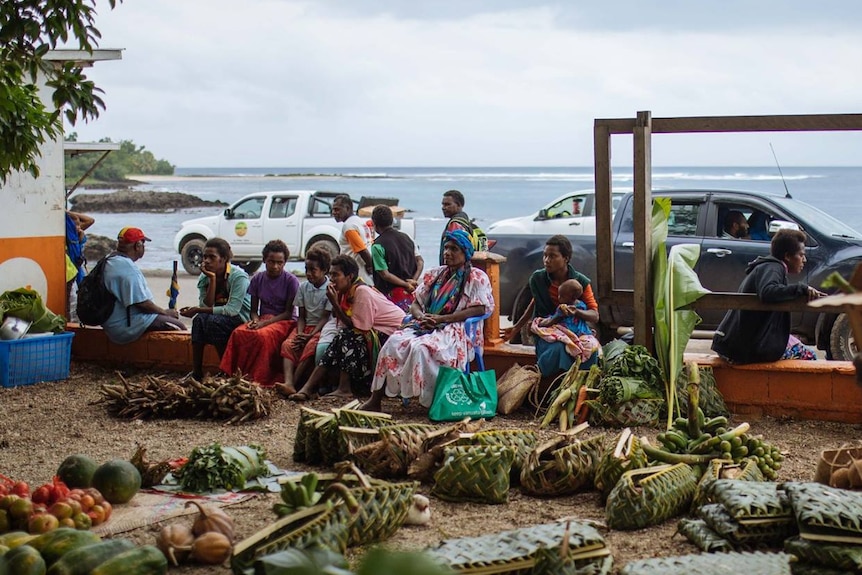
433, 334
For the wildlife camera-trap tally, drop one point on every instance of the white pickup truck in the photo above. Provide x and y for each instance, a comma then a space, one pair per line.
300, 218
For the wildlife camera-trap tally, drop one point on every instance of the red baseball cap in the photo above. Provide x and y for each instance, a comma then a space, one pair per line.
132, 235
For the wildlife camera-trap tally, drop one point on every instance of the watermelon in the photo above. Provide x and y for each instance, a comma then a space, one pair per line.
117, 480
76, 471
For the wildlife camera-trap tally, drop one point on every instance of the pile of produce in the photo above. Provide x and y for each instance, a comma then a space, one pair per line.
209, 540
233, 399
66, 551
216, 467
49, 507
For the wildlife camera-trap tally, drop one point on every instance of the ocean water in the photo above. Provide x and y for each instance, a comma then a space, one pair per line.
491, 193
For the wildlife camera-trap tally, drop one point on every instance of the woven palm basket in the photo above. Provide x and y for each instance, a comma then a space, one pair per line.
306, 448
826, 513
394, 448
709, 564
477, 473
746, 470
521, 441
768, 531
750, 500
644, 497
832, 555
699, 534
322, 525
515, 552
332, 448
625, 456
364, 419
561, 466
799, 568
627, 414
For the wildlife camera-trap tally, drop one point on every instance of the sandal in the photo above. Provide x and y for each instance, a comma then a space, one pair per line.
301, 396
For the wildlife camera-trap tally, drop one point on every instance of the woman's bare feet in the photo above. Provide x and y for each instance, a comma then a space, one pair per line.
285, 390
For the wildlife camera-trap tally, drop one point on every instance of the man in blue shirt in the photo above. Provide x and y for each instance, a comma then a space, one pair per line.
134, 311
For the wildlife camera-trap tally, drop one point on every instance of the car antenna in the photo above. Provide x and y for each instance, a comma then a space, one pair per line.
783, 181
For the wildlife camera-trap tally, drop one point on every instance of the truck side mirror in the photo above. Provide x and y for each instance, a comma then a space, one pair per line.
542, 215
228, 214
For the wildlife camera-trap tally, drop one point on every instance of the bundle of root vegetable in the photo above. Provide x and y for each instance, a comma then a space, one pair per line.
567, 398
233, 399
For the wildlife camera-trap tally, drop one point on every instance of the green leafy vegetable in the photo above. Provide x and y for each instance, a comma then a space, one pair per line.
217, 467
615, 390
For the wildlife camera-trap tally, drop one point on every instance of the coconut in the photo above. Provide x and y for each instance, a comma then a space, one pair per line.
840, 478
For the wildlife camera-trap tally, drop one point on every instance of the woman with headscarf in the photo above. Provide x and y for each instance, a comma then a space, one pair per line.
433, 334
365, 318
552, 357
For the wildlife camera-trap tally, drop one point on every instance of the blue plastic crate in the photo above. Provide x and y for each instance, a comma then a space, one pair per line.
31, 360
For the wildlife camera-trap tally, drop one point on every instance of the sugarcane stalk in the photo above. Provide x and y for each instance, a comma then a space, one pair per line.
693, 399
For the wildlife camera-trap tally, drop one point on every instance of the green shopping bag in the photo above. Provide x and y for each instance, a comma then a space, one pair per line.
458, 395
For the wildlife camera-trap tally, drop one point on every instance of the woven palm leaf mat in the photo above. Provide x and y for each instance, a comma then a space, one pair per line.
147, 508
711, 564
699, 533
826, 513
514, 552
831, 555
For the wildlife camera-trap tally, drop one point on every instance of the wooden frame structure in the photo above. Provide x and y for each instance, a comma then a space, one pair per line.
642, 127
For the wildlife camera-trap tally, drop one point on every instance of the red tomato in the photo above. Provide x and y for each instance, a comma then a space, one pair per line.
97, 514
67, 522
98, 498
61, 510
87, 502
108, 509
21, 489
75, 505
42, 523
42, 494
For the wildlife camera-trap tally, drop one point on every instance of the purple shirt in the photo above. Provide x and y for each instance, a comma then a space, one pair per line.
274, 293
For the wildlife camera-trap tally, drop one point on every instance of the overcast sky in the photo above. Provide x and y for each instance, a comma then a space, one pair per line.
470, 82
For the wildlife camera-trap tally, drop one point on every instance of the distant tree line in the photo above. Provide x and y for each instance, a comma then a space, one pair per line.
129, 159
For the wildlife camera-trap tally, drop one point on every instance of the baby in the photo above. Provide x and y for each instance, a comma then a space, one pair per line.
569, 295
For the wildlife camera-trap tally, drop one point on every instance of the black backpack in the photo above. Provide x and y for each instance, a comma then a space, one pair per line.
95, 301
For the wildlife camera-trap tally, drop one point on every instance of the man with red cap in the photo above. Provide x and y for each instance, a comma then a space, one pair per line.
134, 311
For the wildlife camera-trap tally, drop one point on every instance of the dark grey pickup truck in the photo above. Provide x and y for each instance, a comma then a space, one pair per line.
697, 217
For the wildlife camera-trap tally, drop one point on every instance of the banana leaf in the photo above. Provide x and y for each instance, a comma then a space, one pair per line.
675, 285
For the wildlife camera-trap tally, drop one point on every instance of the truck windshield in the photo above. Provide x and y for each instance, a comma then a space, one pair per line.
816, 219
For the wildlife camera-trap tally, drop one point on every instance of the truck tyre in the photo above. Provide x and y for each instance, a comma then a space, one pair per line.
193, 255
250, 267
325, 244
842, 344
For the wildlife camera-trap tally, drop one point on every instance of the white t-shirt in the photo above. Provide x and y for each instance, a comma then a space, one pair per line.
366, 234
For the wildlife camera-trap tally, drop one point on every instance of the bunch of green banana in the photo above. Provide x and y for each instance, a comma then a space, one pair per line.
714, 440
768, 456
296, 495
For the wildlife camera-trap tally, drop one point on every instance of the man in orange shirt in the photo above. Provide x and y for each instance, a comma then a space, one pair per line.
356, 237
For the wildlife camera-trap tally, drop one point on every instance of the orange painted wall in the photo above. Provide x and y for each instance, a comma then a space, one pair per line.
50, 254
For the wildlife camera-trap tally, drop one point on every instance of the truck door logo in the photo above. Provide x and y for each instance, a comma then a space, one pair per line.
240, 229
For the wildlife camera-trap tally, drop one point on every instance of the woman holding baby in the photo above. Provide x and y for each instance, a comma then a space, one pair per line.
563, 305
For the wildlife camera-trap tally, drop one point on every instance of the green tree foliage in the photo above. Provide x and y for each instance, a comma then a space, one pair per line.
129, 159
28, 30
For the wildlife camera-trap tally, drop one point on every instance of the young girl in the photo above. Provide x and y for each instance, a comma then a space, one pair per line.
254, 347
566, 325
299, 349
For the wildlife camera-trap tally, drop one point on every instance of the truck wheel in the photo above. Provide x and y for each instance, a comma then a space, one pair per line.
192, 254
326, 245
250, 267
842, 344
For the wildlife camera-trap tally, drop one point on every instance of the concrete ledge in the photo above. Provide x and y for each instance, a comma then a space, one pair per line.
163, 350
817, 390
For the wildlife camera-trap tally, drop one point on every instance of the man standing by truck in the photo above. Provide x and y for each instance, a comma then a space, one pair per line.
453, 208
355, 238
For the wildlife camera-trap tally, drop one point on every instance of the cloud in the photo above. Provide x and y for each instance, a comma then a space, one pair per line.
280, 83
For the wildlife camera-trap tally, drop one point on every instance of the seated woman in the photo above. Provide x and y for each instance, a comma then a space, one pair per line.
300, 349
254, 348
551, 357
752, 336
223, 303
365, 318
433, 334
564, 326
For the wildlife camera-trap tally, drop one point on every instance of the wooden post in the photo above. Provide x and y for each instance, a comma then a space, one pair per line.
643, 307
604, 280
490, 263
